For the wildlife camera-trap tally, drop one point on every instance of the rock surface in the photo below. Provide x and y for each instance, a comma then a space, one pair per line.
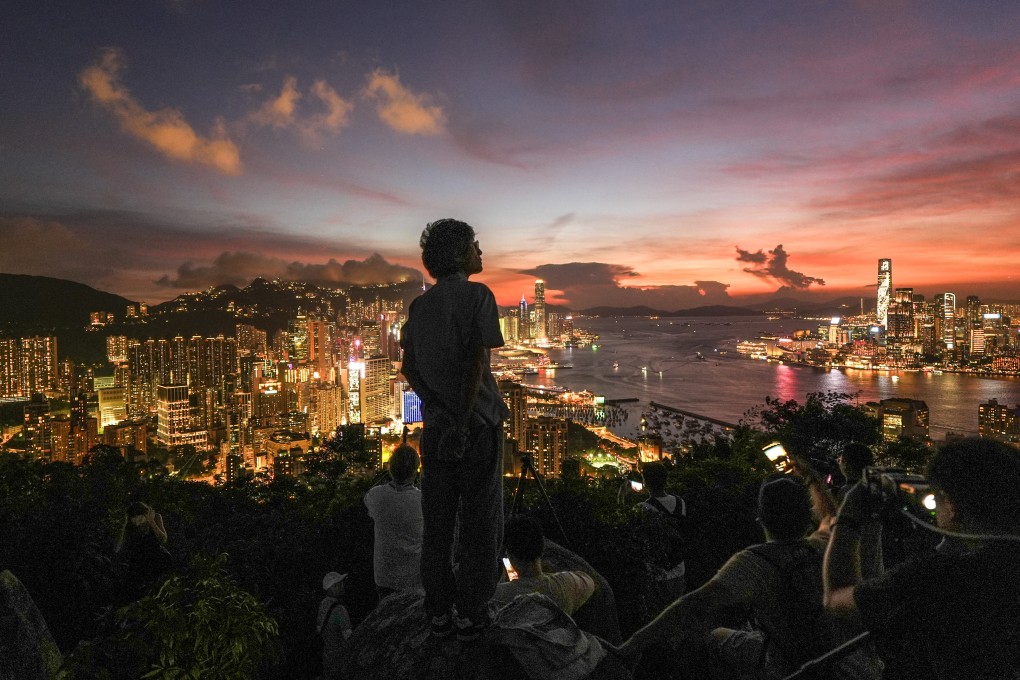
27, 650
393, 642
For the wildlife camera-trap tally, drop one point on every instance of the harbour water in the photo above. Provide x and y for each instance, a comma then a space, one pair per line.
658, 360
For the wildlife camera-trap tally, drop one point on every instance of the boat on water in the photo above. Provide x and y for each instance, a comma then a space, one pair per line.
616, 364
700, 357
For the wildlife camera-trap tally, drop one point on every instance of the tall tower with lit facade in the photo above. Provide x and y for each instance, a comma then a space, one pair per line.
949, 320
884, 291
524, 328
540, 327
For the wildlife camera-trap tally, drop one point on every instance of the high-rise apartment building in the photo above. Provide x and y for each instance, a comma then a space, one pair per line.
998, 421
59, 435
84, 426
509, 327
546, 441
128, 435
322, 348
329, 408
371, 339
37, 435
116, 348
27, 366
514, 398
884, 291
250, 340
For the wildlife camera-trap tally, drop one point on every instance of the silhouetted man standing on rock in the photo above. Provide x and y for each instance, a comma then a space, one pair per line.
446, 343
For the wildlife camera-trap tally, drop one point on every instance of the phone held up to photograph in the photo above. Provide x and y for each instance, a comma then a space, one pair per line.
511, 573
778, 456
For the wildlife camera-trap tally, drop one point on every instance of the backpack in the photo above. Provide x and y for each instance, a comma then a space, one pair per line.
679, 511
800, 635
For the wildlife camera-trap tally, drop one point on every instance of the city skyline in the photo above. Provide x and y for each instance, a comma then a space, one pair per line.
675, 157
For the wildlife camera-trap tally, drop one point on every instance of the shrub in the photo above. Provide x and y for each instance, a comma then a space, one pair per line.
196, 625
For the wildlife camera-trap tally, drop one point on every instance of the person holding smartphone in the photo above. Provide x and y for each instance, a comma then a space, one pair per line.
525, 542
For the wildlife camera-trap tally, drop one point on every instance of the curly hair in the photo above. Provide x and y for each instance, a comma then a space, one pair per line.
443, 246
404, 463
981, 478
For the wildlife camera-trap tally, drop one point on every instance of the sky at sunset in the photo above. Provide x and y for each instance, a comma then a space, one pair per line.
665, 153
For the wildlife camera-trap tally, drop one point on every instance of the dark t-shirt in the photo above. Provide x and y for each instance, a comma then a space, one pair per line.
147, 560
442, 326
948, 615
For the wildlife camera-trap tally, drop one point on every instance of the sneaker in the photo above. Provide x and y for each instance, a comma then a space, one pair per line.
469, 631
443, 626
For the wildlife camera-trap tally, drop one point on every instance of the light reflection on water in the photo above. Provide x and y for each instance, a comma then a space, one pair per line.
726, 386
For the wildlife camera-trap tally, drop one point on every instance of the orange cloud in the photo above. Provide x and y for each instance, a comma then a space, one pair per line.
402, 109
165, 129
279, 112
282, 111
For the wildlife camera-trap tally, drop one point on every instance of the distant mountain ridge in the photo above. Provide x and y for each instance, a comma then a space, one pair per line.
43, 302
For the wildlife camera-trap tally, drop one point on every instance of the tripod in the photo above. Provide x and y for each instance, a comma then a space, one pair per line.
528, 465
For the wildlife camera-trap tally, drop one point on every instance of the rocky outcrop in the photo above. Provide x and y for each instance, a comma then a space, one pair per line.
393, 642
27, 650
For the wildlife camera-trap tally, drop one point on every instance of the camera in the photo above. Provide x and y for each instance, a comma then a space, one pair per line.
892, 488
635, 485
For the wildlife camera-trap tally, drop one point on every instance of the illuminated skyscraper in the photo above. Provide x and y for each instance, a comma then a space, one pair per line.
540, 328
375, 394
297, 336
949, 320
901, 314
524, 328
173, 415
884, 291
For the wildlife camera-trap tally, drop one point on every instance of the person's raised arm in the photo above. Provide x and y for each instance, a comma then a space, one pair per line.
823, 503
841, 571
691, 612
156, 524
